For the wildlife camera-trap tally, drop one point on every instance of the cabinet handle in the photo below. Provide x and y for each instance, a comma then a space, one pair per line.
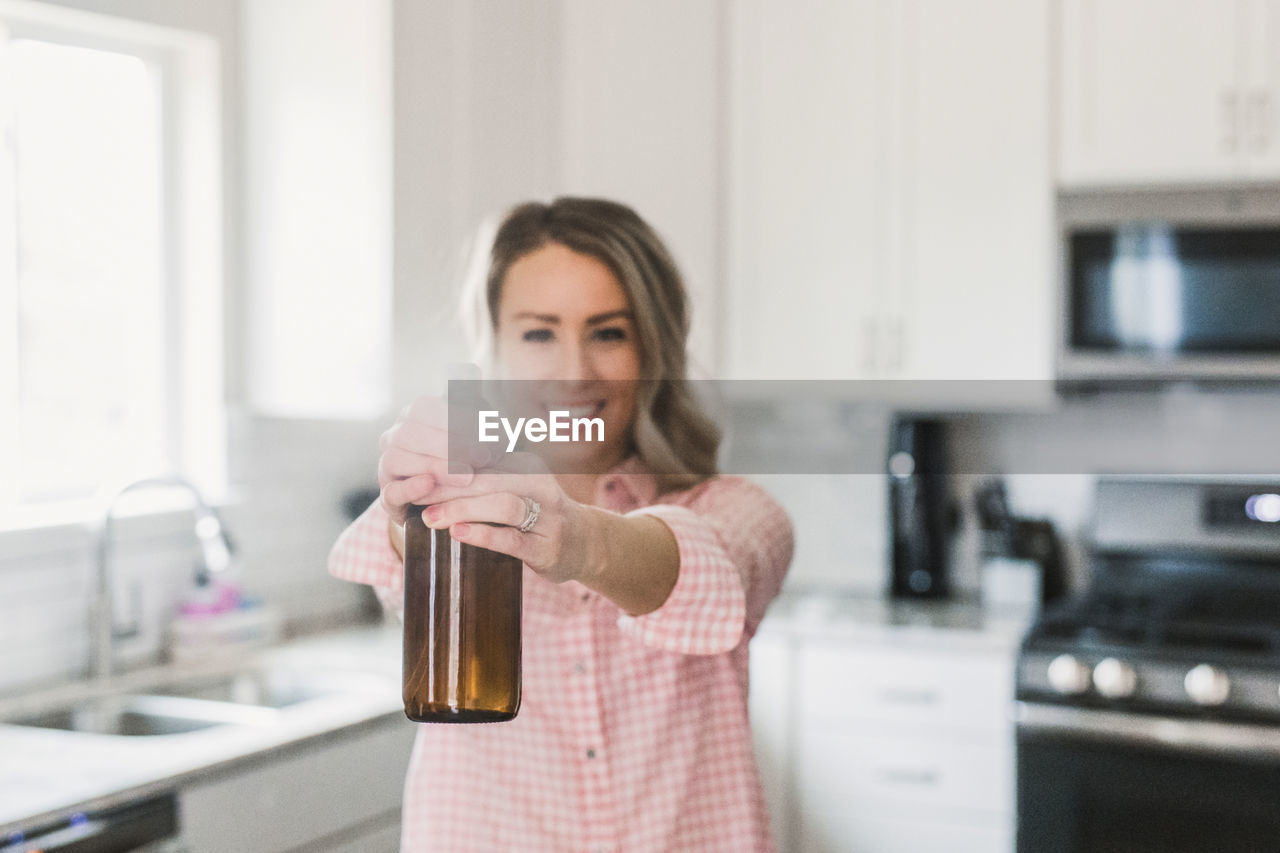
1230, 120
1261, 119
907, 776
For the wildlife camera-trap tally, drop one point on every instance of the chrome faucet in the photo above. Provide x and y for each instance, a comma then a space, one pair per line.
215, 547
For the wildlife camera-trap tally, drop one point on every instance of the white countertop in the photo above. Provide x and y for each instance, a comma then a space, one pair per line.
47, 773
956, 622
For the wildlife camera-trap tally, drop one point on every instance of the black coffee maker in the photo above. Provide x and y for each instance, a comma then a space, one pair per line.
922, 515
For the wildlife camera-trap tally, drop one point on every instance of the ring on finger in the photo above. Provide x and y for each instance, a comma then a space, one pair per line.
532, 510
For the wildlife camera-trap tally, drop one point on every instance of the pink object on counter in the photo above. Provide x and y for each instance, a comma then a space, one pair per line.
211, 600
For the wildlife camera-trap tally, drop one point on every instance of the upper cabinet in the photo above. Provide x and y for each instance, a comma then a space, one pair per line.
889, 193
1168, 91
639, 119
970, 160
1263, 82
806, 189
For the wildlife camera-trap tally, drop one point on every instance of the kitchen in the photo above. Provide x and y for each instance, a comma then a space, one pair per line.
898, 202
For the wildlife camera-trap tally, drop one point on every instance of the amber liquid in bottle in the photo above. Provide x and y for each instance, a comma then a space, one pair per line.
461, 629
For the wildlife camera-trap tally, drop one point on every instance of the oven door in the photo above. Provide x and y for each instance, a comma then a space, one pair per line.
1099, 781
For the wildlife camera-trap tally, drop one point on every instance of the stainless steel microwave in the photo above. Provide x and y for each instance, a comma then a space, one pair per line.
1164, 285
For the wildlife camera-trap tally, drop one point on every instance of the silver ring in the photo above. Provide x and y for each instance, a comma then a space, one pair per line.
532, 509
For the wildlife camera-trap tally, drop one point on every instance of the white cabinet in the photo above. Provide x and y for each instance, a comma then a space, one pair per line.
771, 703
1261, 91
806, 189
890, 744
638, 118
975, 241
330, 796
890, 196
1168, 91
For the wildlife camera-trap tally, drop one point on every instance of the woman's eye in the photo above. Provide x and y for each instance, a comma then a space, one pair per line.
537, 336
611, 333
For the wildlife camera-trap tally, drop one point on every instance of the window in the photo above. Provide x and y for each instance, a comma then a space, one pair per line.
110, 355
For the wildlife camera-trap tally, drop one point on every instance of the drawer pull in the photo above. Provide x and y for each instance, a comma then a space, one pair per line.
914, 778
910, 696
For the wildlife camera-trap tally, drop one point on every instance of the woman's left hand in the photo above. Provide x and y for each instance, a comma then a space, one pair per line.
557, 546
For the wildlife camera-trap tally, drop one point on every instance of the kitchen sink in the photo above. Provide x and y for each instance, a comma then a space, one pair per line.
264, 687
257, 695
138, 716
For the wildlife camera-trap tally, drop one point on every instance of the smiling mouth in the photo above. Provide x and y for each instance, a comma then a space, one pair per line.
579, 408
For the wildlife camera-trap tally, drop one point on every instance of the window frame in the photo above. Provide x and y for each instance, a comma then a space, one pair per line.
187, 69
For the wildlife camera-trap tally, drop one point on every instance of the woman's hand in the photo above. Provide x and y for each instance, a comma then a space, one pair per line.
414, 470
559, 545
415, 457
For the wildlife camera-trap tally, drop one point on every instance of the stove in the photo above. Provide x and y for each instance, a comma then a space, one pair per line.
1148, 712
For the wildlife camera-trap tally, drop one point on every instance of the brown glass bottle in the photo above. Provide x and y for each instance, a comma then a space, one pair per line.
461, 629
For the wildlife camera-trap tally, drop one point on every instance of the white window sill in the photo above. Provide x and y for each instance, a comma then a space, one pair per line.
70, 526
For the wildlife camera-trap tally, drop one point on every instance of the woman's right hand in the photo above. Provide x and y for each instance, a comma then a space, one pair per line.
415, 457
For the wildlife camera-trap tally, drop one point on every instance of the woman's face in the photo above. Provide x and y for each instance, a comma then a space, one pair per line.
565, 322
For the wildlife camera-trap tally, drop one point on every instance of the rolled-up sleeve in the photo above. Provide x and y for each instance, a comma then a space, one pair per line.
363, 553
735, 544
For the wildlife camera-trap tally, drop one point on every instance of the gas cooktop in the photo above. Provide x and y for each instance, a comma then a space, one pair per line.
1182, 614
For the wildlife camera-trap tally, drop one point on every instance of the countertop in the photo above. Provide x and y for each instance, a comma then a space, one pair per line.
45, 774
960, 623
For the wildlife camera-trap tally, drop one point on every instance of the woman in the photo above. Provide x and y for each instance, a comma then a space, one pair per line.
645, 572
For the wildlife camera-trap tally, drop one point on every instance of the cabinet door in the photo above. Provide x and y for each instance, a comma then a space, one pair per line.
640, 122
972, 168
770, 702
1150, 91
1262, 90
806, 236
378, 838
856, 831
312, 798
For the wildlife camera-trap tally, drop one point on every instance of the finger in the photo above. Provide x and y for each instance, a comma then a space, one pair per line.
540, 487
457, 440
499, 508
398, 464
504, 540
518, 463
418, 437
427, 408
398, 494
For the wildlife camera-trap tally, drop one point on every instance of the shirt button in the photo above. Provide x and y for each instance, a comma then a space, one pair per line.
580, 667
609, 486
591, 753
586, 596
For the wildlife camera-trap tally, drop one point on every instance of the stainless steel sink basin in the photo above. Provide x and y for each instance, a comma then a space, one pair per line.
129, 716
142, 716
257, 695
265, 687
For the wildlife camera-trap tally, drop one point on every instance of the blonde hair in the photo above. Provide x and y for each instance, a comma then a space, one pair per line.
674, 437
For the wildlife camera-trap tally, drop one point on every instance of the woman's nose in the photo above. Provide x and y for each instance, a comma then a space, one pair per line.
575, 364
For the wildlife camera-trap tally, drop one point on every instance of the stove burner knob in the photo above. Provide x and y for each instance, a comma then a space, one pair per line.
1068, 676
1114, 679
1207, 685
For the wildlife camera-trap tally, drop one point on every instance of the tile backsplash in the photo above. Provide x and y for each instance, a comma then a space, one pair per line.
289, 477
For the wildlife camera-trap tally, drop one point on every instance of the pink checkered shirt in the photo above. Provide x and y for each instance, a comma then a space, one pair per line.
632, 733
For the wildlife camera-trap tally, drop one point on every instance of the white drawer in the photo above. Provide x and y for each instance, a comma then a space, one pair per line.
838, 770
965, 690
868, 832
